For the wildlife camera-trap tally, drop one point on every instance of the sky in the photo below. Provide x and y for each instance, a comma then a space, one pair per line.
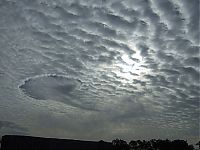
100, 69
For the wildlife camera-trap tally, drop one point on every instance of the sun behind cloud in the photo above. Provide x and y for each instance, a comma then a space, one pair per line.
131, 67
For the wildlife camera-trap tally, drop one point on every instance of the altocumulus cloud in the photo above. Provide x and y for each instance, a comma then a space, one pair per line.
100, 69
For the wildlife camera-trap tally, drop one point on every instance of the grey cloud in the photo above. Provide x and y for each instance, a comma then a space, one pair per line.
170, 12
165, 57
154, 18
142, 83
118, 22
69, 56
192, 9
193, 61
65, 36
128, 107
92, 125
118, 46
170, 71
193, 50
191, 72
58, 88
85, 34
103, 29
82, 10
44, 36
46, 87
158, 80
105, 59
7, 127
65, 14
143, 50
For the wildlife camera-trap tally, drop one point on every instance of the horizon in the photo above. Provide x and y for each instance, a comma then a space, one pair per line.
29, 136
109, 141
11, 142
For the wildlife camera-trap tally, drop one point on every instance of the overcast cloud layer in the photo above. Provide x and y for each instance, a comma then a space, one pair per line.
92, 69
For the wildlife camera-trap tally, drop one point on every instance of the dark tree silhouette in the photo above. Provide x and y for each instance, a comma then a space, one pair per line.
119, 144
191, 147
13, 142
160, 145
133, 145
198, 144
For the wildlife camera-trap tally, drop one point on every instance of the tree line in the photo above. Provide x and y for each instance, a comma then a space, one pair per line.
11, 142
153, 144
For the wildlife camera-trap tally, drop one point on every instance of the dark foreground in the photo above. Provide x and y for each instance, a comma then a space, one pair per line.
37, 143
14, 142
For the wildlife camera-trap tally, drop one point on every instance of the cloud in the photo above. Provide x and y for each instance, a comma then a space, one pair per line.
111, 61
192, 61
7, 127
53, 87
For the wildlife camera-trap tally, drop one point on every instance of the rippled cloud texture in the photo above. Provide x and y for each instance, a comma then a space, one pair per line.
100, 69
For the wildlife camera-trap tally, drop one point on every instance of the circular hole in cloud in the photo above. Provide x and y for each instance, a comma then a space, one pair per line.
50, 87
